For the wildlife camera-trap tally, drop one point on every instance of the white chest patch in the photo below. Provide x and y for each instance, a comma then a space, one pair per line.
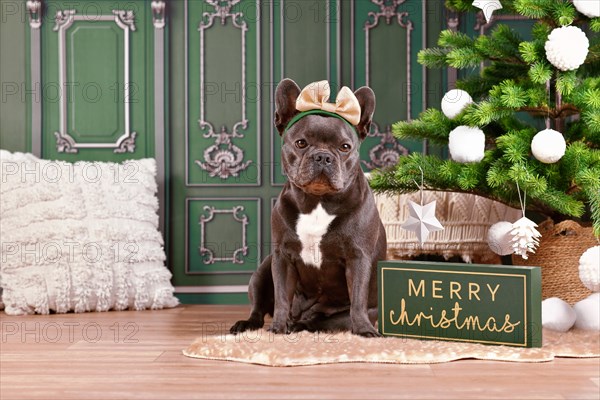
310, 229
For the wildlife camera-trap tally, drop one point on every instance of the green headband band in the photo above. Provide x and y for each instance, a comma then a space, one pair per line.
303, 114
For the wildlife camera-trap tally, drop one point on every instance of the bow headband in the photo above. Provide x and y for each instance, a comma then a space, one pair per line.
313, 100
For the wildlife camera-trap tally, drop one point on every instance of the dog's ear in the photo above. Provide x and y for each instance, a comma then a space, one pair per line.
366, 99
285, 103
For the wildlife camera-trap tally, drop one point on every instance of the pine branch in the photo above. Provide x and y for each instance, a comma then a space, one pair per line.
432, 125
540, 31
531, 52
433, 58
593, 56
502, 45
452, 39
566, 82
512, 95
540, 72
537, 9
463, 58
591, 98
594, 201
564, 13
485, 112
515, 146
566, 110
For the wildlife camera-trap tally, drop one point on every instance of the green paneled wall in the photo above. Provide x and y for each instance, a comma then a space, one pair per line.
222, 63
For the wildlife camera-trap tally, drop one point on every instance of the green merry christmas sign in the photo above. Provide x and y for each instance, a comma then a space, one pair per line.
493, 304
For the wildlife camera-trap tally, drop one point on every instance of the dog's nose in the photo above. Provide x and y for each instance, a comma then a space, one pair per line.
322, 158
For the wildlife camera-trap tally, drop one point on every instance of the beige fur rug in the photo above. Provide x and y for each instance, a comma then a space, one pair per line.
264, 348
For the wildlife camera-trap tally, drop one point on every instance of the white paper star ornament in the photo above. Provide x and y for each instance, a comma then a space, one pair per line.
422, 220
488, 7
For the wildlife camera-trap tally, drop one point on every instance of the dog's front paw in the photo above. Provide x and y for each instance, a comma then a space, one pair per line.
279, 328
299, 326
366, 331
246, 325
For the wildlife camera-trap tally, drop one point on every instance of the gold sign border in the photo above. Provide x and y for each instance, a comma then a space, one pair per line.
383, 269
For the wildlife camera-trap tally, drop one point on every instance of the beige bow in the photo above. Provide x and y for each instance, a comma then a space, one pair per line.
315, 96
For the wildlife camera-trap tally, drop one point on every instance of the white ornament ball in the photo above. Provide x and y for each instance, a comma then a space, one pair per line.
466, 144
589, 268
454, 101
588, 313
589, 8
567, 47
557, 314
548, 146
500, 238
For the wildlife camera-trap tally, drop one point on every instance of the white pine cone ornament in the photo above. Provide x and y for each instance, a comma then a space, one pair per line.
567, 47
525, 237
589, 268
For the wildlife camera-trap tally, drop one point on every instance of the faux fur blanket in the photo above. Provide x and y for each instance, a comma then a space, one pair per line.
264, 348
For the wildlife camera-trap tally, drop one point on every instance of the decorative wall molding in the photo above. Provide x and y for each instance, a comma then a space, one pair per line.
65, 143
158, 19
388, 10
236, 213
217, 289
125, 19
158, 14
34, 10
223, 158
239, 261
387, 152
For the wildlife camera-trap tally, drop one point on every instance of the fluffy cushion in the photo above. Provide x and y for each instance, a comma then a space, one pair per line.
80, 237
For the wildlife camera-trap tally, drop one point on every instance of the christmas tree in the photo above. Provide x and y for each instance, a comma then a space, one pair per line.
551, 81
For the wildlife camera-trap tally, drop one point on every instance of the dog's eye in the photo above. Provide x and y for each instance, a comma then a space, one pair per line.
301, 143
345, 147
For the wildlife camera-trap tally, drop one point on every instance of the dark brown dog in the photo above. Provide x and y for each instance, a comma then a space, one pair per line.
327, 234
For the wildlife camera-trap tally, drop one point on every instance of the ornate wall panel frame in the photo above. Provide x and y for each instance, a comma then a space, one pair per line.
388, 150
389, 11
223, 159
238, 215
65, 143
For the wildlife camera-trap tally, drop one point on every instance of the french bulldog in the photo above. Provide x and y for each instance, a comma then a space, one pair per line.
326, 231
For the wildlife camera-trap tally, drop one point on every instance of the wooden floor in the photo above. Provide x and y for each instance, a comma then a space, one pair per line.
137, 355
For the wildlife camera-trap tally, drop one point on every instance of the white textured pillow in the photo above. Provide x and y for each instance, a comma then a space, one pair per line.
80, 237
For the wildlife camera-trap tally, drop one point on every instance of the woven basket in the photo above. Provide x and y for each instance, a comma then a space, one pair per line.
558, 255
466, 219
